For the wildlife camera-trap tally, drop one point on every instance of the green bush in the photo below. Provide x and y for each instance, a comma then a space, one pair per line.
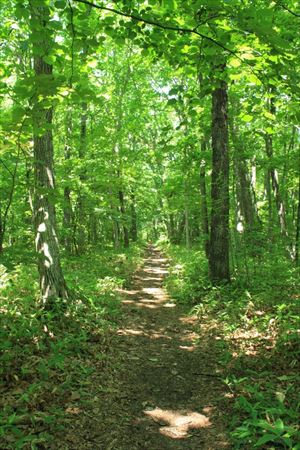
264, 311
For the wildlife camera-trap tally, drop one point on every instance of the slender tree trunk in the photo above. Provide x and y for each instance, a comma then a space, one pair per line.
287, 199
2, 231
187, 224
123, 212
219, 234
133, 229
52, 283
180, 230
82, 178
204, 209
267, 187
4, 211
297, 237
93, 229
245, 199
67, 210
116, 234
275, 186
115, 226
171, 228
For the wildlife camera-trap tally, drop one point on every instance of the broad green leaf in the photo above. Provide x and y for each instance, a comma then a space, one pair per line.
246, 117
60, 4
235, 62
265, 438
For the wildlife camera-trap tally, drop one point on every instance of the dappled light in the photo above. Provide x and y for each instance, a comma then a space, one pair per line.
168, 365
187, 348
149, 224
178, 422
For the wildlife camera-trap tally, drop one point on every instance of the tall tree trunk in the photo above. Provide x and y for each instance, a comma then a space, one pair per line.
275, 185
267, 189
204, 209
247, 210
82, 178
171, 228
52, 283
67, 210
93, 229
5, 209
123, 212
186, 225
2, 231
297, 237
219, 234
180, 229
133, 229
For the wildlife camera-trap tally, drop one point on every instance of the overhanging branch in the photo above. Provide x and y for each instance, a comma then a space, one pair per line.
160, 25
287, 9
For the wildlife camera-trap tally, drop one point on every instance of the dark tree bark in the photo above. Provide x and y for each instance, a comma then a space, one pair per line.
52, 283
219, 234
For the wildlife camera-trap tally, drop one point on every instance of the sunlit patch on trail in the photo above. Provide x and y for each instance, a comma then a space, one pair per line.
130, 332
178, 422
188, 348
126, 292
157, 334
158, 294
156, 270
73, 410
189, 320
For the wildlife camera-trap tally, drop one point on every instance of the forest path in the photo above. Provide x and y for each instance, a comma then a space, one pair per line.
163, 389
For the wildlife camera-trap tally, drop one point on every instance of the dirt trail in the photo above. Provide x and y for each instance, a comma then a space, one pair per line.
163, 390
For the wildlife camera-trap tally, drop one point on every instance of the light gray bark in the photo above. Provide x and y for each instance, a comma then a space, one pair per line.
52, 283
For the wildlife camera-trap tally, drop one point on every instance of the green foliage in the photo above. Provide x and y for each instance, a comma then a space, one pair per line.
258, 337
184, 283
45, 355
132, 118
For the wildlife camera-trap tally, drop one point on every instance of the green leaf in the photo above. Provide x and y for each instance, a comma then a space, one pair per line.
279, 425
60, 4
247, 118
49, 59
265, 438
269, 115
235, 63
253, 79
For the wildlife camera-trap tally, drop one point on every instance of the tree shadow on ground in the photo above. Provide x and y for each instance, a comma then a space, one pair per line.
164, 388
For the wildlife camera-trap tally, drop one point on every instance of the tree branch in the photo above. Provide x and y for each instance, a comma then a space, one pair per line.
172, 28
287, 9
6, 167
160, 25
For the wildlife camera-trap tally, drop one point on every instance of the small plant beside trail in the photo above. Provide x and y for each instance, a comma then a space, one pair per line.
256, 325
47, 356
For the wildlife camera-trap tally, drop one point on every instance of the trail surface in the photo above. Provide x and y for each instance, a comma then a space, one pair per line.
162, 389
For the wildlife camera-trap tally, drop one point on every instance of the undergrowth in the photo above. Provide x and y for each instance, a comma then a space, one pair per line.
256, 322
47, 357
